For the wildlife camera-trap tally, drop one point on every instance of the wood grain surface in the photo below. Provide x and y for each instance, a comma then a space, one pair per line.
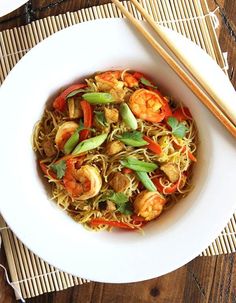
205, 279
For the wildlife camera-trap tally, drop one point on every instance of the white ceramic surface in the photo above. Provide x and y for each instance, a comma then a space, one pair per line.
181, 233
7, 6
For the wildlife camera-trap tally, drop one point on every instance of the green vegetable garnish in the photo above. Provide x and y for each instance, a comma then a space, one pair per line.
98, 98
89, 144
146, 181
146, 82
71, 143
133, 138
77, 91
127, 116
178, 128
114, 197
74, 139
138, 165
121, 201
125, 208
59, 168
100, 118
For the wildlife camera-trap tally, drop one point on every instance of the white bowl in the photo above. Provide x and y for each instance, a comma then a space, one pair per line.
181, 233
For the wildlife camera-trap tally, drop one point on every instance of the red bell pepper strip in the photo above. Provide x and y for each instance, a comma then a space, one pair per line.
152, 145
183, 149
192, 157
164, 190
96, 222
182, 114
138, 219
87, 112
60, 102
127, 170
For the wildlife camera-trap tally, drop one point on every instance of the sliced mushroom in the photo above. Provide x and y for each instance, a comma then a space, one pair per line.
111, 115
74, 108
114, 147
172, 172
119, 94
120, 182
49, 148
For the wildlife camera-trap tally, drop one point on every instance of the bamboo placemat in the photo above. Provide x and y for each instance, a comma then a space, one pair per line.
30, 274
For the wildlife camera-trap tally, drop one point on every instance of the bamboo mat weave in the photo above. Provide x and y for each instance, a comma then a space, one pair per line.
30, 274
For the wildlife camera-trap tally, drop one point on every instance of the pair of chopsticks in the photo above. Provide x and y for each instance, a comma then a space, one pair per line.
201, 89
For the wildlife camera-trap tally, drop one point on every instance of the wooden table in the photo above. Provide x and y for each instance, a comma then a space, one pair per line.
205, 279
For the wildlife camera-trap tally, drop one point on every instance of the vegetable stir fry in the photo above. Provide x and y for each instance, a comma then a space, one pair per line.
116, 152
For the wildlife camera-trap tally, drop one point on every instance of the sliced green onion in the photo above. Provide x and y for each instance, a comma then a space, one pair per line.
138, 165
146, 181
133, 138
127, 116
132, 142
98, 98
89, 144
71, 143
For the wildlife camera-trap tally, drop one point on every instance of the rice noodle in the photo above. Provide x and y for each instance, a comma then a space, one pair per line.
84, 211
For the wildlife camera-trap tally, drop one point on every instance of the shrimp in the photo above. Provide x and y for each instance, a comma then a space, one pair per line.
84, 182
64, 132
130, 80
149, 204
109, 80
148, 105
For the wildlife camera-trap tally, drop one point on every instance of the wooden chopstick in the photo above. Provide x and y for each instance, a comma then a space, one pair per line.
205, 94
179, 55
